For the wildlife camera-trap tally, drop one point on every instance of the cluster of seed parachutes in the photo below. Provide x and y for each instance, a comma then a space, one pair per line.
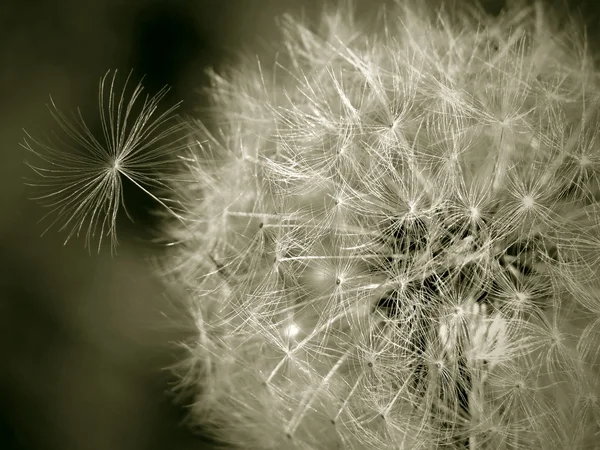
395, 238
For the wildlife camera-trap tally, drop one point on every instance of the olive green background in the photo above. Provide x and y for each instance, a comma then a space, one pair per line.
84, 339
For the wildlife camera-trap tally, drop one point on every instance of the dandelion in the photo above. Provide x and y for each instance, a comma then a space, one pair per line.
407, 217
80, 174
390, 239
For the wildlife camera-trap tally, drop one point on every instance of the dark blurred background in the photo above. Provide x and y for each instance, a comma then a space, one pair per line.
84, 339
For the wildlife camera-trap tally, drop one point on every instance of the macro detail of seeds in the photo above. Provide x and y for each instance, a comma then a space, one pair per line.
389, 237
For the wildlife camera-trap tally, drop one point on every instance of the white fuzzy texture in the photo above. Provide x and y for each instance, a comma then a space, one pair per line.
392, 238
80, 173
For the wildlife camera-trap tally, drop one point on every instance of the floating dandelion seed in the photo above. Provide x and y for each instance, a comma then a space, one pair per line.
81, 175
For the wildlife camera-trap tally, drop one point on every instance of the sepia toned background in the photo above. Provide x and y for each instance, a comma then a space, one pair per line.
85, 339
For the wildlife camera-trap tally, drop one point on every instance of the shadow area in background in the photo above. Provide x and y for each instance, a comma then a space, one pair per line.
81, 339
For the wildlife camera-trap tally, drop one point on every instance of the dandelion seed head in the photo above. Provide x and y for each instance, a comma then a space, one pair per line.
394, 227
